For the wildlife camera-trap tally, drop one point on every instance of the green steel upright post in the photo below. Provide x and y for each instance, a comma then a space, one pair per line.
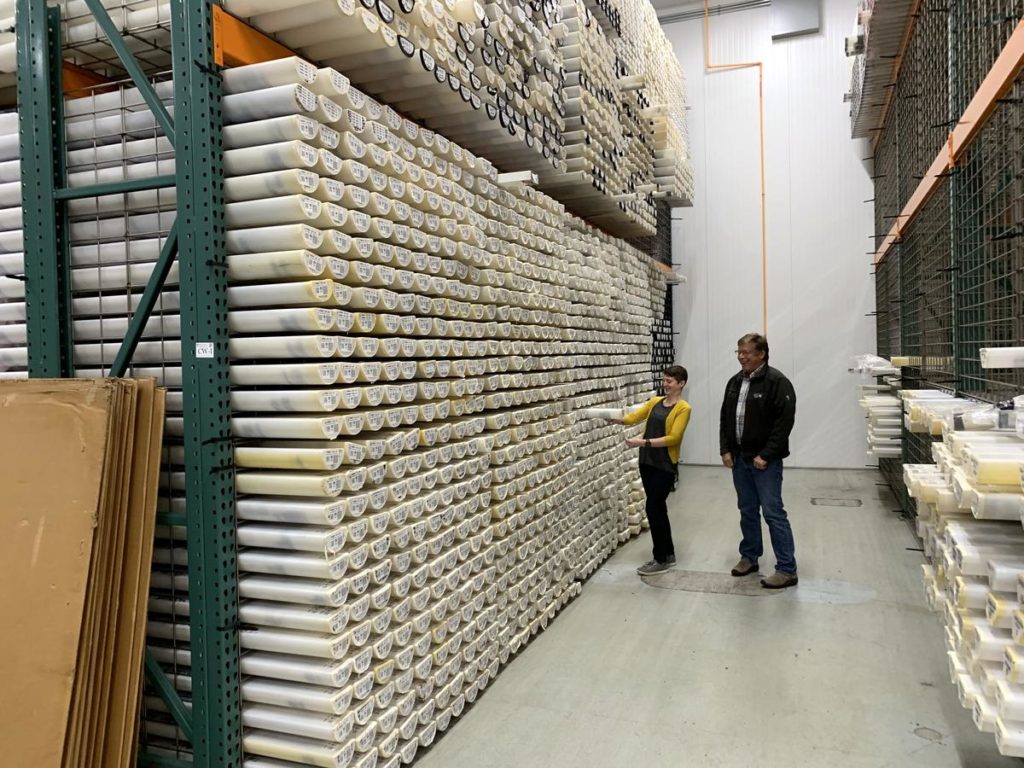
43, 172
209, 472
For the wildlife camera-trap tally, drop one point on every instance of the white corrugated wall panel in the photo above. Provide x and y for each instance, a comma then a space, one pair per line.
820, 290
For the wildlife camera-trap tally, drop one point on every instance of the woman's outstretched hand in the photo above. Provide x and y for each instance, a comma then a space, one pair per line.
634, 442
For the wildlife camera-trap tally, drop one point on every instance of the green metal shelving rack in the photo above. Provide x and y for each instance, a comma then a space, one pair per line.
214, 724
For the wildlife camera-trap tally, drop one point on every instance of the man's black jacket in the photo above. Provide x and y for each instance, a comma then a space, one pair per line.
770, 412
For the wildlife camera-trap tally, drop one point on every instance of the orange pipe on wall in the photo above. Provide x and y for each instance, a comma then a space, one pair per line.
760, 113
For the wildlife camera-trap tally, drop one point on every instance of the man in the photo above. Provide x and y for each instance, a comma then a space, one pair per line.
757, 416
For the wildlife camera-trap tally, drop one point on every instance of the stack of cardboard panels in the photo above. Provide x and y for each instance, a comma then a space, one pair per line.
79, 464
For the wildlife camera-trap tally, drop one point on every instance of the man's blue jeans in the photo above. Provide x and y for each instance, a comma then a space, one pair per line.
759, 491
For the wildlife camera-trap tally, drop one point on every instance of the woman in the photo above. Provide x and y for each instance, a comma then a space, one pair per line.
666, 418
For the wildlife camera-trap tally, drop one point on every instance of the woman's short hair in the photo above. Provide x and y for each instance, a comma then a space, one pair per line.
677, 372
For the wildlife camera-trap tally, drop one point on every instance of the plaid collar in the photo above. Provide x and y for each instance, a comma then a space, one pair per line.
757, 372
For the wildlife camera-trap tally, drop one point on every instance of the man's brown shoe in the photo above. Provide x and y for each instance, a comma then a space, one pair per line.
779, 580
745, 567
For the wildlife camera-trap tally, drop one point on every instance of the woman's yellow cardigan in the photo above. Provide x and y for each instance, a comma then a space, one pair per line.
675, 424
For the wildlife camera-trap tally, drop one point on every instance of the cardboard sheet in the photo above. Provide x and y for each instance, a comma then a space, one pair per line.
79, 464
131, 625
53, 451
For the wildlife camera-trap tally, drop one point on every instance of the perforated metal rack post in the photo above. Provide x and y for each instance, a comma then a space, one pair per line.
209, 469
214, 723
45, 223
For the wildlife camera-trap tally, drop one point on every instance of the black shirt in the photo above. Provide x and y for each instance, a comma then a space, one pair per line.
655, 427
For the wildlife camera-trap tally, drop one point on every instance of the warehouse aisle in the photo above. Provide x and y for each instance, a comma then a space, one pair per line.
848, 670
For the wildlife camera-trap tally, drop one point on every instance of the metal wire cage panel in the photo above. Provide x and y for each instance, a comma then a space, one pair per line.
886, 177
908, 102
988, 221
923, 95
892, 471
887, 302
910, 295
659, 245
978, 30
918, 123
927, 246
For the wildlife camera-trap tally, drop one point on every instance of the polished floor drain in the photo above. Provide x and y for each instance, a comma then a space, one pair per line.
819, 501
710, 582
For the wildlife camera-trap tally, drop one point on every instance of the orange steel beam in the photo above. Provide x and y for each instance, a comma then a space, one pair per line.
78, 81
897, 64
235, 43
995, 85
764, 199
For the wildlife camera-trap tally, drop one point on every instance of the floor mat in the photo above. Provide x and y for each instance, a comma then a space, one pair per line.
707, 581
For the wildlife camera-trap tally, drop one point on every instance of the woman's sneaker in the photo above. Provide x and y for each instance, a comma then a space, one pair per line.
653, 567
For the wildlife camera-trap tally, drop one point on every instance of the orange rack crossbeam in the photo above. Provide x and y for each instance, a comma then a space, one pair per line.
78, 81
236, 44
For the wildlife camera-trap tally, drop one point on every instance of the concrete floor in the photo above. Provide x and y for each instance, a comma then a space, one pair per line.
848, 670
